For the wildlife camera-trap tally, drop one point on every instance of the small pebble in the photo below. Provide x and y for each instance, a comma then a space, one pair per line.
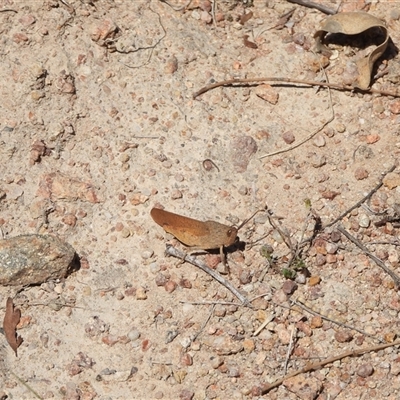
171, 66
340, 128
331, 248
394, 107
289, 287
343, 336
147, 254
170, 286
243, 190
319, 141
186, 394
161, 279
233, 371
187, 359
361, 173
365, 370
245, 277
318, 160
391, 180
316, 322
288, 137
216, 362
249, 345
331, 258
208, 164
141, 293
176, 194
314, 280
364, 221
300, 279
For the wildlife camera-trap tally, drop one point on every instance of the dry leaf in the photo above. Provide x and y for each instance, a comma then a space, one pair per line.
245, 17
354, 23
11, 320
248, 43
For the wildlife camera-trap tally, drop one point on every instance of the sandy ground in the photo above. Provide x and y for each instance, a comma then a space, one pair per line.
98, 124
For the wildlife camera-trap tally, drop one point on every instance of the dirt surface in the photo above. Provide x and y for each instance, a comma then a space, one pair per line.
98, 125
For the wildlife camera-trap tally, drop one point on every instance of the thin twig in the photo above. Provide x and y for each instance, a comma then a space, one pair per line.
213, 11
172, 251
176, 8
363, 200
285, 238
311, 311
290, 349
204, 324
295, 146
377, 260
310, 4
151, 48
206, 303
27, 386
264, 324
291, 82
351, 353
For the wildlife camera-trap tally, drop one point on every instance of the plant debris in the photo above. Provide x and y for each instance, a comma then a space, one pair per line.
10, 322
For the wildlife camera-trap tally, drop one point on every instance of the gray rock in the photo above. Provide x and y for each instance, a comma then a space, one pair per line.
34, 259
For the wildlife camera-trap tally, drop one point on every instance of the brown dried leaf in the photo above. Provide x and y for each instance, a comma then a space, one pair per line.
353, 23
10, 322
248, 43
245, 17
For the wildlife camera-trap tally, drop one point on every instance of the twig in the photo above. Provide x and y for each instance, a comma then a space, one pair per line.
264, 324
352, 353
8, 10
313, 133
175, 8
310, 4
291, 82
205, 303
151, 48
285, 238
27, 386
377, 260
310, 136
311, 311
363, 200
289, 350
213, 10
172, 251
204, 324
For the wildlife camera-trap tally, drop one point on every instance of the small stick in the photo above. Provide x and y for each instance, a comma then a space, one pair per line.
176, 8
311, 311
27, 386
285, 238
204, 324
172, 251
363, 200
377, 260
264, 324
151, 48
310, 4
288, 81
206, 303
351, 353
290, 348
326, 123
